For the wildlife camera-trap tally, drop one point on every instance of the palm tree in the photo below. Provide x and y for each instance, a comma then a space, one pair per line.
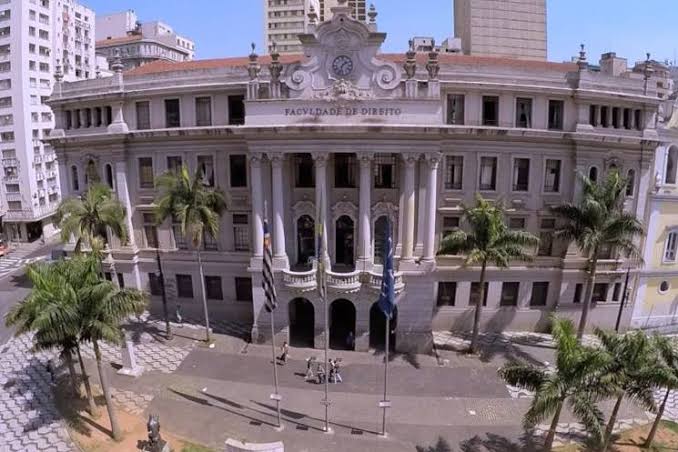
597, 223
89, 216
574, 380
103, 307
51, 312
634, 371
669, 356
197, 208
490, 241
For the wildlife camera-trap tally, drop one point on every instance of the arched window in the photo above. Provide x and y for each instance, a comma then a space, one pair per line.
91, 174
379, 239
74, 178
670, 171
630, 182
593, 174
109, 175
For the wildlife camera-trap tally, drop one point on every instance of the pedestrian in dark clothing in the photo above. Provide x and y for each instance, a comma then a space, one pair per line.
320, 371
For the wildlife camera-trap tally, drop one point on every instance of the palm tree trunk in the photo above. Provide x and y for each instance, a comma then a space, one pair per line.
611, 422
92, 407
115, 427
548, 442
208, 336
68, 357
478, 311
161, 277
589, 295
655, 424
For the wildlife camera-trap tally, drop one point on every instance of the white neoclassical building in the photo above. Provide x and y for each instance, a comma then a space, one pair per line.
409, 137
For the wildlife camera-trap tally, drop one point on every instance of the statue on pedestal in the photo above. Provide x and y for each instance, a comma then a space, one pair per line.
155, 442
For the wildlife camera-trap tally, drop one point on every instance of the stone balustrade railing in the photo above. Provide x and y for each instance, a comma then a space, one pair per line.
345, 282
376, 278
303, 281
341, 282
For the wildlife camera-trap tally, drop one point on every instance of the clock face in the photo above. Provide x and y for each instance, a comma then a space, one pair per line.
342, 66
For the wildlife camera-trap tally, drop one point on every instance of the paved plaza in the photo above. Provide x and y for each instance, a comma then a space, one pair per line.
209, 395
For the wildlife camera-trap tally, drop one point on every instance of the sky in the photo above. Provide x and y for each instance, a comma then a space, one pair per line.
630, 28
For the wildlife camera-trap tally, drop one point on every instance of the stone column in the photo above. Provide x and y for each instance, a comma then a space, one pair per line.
410, 160
598, 117
432, 161
82, 118
365, 235
257, 208
279, 254
321, 159
609, 116
118, 125
104, 116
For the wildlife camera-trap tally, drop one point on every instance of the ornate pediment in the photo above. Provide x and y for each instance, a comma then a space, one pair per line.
343, 63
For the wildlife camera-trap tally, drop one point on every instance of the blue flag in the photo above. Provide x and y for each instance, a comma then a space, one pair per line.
387, 295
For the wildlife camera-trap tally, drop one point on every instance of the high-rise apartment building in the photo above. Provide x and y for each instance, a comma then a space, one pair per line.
36, 36
139, 43
502, 28
358, 9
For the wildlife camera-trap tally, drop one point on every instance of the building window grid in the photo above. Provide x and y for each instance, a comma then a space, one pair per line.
304, 171
523, 112
509, 294
454, 172
556, 109
455, 109
488, 173
184, 286
243, 289
552, 176
385, 171
671, 248
241, 232
150, 230
203, 111
447, 293
521, 174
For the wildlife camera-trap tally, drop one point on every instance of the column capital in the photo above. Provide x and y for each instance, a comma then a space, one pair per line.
410, 158
433, 159
256, 158
320, 158
366, 158
277, 159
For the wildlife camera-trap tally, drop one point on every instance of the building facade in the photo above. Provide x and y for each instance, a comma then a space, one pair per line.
405, 139
35, 38
501, 28
139, 43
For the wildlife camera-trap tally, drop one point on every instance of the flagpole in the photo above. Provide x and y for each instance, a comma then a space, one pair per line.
384, 403
327, 375
276, 394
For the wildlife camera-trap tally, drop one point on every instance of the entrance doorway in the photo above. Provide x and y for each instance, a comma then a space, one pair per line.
342, 323
344, 241
34, 231
378, 328
302, 323
305, 240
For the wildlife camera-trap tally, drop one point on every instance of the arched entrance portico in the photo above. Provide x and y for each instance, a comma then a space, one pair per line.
378, 327
302, 322
342, 324
345, 231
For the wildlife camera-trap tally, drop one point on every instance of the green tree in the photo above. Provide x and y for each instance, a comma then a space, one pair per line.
669, 356
574, 380
489, 242
596, 224
197, 208
103, 307
51, 312
634, 371
89, 216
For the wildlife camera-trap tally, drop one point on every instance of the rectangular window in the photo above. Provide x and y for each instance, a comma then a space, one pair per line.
143, 115
454, 169
450, 224
150, 231
155, 284
604, 120
540, 293
627, 118
556, 108
509, 294
304, 171
179, 237
521, 174
615, 117
146, 179
385, 171
490, 110
475, 294
206, 169
616, 292
546, 231
174, 163
523, 112
238, 170
593, 115
516, 223
108, 276
599, 293
552, 176
209, 243
455, 109
213, 288
243, 289
172, 113
671, 247
344, 170
236, 110
638, 119
121, 280
184, 286
488, 173
203, 111
13, 205
241, 232
578, 289
447, 292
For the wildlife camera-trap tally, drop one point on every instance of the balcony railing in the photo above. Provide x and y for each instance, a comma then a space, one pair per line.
338, 282
7, 163
376, 278
302, 281
344, 282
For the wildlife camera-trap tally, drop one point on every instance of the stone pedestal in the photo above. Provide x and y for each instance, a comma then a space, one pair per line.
130, 367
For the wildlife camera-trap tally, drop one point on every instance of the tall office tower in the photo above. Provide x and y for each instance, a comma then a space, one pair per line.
140, 43
502, 28
358, 9
284, 20
36, 36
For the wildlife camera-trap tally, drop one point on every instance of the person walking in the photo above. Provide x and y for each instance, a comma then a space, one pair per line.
177, 314
309, 368
333, 378
320, 372
337, 373
284, 351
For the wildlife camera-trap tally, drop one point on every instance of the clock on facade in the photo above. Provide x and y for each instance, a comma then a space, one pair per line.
342, 66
